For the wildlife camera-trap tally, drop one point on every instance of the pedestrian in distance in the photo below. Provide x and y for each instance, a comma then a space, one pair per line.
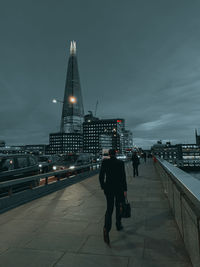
135, 163
112, 178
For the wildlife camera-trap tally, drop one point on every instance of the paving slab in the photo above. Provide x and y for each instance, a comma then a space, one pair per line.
121, 245
164, 250
68, 226
65, 228
83, 260
57, 241
16, 257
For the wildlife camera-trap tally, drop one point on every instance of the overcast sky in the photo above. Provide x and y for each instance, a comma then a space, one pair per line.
139, 58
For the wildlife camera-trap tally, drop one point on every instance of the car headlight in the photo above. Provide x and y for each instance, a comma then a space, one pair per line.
71, 167
54, 168
40, 165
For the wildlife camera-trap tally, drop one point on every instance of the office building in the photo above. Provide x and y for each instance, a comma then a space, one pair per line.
128, 140
99, 134
65, 143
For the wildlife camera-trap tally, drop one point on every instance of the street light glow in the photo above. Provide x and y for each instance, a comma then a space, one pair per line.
56, 101
72, 99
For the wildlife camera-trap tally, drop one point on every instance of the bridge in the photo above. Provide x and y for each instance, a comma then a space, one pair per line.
64, 228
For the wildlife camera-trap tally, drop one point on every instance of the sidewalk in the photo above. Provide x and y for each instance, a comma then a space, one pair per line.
65, 228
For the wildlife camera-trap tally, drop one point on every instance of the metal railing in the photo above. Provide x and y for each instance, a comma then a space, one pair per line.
35, 186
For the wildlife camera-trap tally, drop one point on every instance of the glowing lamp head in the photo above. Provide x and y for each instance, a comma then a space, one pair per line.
72, 99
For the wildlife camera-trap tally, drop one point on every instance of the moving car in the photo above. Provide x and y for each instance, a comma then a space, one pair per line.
46, 163
64, 162
17, 166
73, 160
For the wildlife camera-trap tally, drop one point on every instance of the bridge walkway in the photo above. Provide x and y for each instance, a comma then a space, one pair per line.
65, 228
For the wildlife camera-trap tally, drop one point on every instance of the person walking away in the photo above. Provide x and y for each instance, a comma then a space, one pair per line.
112, 178
135, 162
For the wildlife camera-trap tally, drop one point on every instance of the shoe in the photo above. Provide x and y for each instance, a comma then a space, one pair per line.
106, 236
119, 227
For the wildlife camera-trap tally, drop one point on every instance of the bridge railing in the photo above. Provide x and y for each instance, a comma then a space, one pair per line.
183, 192
22, 190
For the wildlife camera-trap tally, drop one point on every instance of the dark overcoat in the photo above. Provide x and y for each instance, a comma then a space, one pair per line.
112, 176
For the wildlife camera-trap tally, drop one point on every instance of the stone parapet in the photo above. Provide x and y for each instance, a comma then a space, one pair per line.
183, 192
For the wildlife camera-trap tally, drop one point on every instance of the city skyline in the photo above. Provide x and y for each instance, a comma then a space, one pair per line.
139, 59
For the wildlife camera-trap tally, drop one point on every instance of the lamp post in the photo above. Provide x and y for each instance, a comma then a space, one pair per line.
72, 100
55, 101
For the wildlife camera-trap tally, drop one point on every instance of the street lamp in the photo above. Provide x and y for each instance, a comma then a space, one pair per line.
56, 101
72, 100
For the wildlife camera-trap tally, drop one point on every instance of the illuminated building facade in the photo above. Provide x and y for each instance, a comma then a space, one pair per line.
65, 143
99, 134
185, 156
128, 140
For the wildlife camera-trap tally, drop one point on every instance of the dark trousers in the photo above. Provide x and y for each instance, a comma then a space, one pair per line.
135, 170
111, 198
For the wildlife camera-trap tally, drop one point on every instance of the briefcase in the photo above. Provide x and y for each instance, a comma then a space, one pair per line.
125, 209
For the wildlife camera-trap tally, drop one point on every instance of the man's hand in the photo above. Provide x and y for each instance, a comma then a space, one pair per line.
125, 193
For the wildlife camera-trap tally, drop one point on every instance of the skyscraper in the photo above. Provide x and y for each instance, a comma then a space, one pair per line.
72, 112
70, 138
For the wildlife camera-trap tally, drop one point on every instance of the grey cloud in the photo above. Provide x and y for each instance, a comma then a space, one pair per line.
141, 63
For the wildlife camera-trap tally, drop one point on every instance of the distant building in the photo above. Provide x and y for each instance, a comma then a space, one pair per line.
128, 140
98, 133
2, 143
171, 153
65, 143
12, 150
197, 138
79, 133
105, 142
25, 149
36, 149
190, 155
70, 138
185, 156
89, 117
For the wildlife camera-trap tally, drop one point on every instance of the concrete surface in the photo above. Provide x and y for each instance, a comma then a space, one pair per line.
65, 228
184, 206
